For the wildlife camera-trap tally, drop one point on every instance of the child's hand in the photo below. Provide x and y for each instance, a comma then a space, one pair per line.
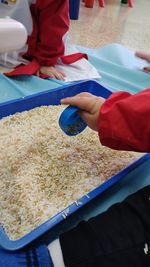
52, 73
90, 107
144, 56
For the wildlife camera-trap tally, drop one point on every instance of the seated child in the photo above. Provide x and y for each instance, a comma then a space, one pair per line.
48, 52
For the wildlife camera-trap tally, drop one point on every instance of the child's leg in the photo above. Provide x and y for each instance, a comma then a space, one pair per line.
119, 237
37, 257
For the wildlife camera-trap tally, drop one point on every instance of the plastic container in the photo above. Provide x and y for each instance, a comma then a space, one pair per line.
13, 35
101, 3
70, 122
129, 2
53, 97
124, 1
74, 8
89, 3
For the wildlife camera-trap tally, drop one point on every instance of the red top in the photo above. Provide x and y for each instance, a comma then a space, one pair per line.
45, 45
124, 121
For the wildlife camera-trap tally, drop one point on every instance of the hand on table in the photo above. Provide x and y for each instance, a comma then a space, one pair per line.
52, 73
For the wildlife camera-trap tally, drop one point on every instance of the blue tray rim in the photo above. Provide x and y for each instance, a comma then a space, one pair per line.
32, 96
39, 98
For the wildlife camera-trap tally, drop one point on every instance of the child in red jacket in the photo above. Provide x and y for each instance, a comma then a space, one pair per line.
48, 52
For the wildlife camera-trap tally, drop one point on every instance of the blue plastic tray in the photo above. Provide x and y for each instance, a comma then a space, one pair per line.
74, 8
53, 97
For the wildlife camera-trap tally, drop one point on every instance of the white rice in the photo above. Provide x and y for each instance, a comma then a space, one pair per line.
42, 170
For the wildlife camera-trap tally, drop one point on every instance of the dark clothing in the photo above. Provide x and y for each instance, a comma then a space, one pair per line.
117, 237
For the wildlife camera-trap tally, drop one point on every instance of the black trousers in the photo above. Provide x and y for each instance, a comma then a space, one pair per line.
119, 237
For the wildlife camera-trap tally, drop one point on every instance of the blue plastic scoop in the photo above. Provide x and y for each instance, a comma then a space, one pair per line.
70, 122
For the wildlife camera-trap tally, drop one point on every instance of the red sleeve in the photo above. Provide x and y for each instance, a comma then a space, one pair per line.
53, 23
124, 121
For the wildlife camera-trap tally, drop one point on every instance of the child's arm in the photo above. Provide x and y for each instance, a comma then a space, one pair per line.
122, 120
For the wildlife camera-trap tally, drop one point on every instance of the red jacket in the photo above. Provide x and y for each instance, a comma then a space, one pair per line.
45, 45
124, 121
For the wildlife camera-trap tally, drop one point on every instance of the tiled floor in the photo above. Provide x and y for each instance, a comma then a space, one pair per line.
114, 23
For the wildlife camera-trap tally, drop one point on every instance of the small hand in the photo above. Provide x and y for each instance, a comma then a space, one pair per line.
89, 106
52, 73
145, 57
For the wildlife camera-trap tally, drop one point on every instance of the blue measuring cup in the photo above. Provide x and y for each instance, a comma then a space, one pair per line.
70, 122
